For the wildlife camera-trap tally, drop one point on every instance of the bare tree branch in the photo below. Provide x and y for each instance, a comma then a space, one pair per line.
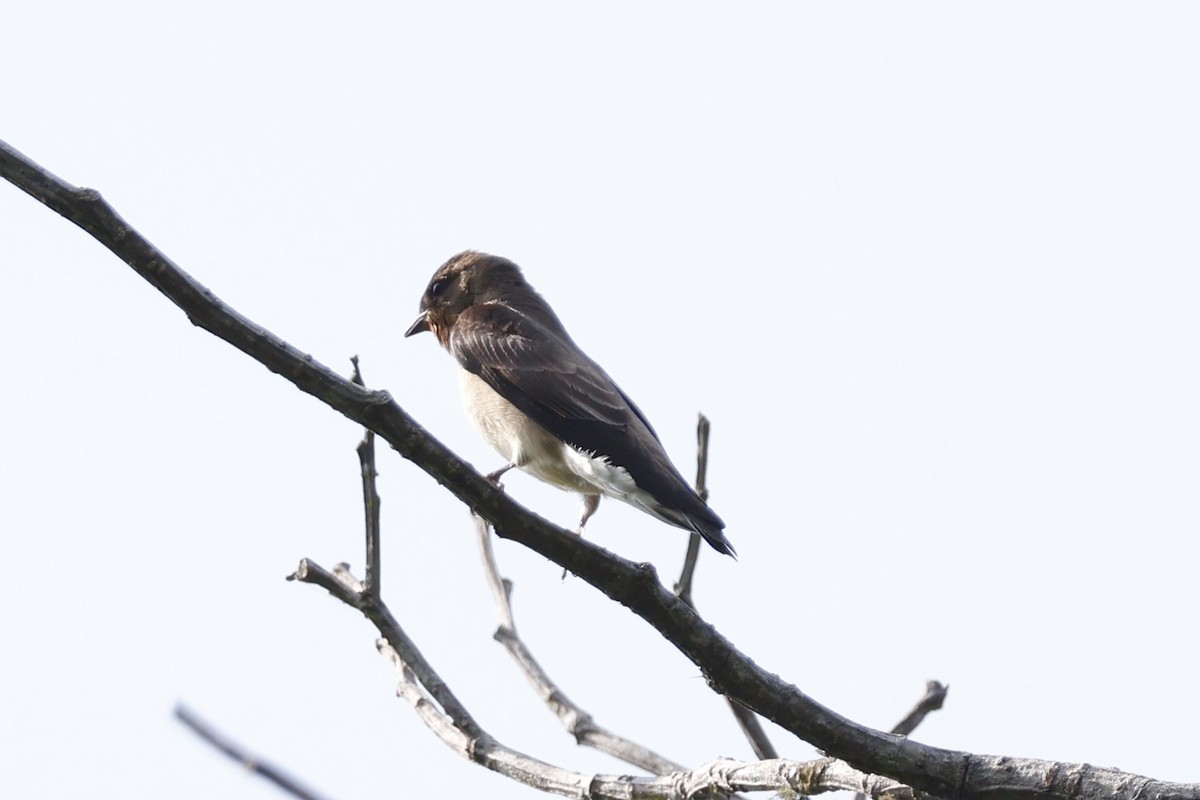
237, 753
931, 769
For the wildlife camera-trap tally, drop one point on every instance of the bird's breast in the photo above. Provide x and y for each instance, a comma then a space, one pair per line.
503, 425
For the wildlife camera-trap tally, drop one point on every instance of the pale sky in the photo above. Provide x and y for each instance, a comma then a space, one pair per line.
930, 268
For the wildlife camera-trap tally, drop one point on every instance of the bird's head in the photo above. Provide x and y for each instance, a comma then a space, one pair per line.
467, 279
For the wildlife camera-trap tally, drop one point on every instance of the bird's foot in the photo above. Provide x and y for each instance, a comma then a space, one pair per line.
577, 532
495, 476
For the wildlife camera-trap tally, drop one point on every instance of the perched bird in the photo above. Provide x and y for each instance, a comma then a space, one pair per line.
543, 404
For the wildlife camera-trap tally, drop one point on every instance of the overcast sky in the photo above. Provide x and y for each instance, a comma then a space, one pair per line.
930, 268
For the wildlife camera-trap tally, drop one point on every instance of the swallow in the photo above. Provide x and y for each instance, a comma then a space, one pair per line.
544, 405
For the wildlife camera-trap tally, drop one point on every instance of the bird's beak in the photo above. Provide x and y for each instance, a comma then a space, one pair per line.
420, 326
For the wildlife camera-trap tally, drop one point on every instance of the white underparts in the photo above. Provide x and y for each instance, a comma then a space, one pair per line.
533, 449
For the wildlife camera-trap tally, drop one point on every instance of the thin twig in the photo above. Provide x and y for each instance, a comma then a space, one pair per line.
683, 587
578, 722
371, 501
746, 719
501, 587
251, 762
935, 695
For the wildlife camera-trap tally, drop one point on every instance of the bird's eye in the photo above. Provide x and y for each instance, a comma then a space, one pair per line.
438, 286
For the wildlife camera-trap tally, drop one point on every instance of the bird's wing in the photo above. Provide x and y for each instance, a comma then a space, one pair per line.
552, 381
548, 378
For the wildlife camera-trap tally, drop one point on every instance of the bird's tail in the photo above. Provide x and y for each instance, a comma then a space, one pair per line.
704, 522
714, 535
